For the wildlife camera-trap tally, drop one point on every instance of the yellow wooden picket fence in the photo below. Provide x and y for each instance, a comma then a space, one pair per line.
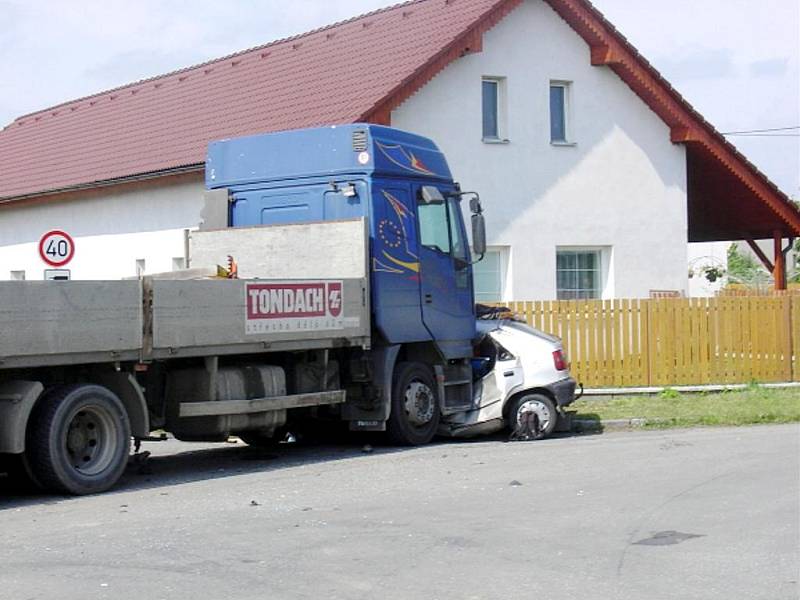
681, 341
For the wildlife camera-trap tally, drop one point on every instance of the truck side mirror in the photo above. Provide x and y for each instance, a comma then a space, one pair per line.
431, 195
478, 234
475, 205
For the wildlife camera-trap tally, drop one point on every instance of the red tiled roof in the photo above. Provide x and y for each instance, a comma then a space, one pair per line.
356, 70
335, 74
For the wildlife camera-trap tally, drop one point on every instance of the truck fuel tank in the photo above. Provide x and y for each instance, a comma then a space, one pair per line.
249, 382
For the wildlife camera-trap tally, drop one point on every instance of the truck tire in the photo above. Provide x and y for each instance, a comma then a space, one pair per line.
78, 439
539, 403
414, 417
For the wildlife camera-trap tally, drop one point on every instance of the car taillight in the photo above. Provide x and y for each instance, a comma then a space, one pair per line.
559, 360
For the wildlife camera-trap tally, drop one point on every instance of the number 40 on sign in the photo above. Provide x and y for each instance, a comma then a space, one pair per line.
56, 248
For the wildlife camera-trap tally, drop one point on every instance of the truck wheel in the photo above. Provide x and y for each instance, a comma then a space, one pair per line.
538, 403
415, 407
78, 439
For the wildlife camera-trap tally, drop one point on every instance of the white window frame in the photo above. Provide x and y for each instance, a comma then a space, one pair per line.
501, 104
504, 278
17, 275
605, 269
567, 111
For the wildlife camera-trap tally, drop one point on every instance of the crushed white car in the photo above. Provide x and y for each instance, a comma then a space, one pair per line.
519, 371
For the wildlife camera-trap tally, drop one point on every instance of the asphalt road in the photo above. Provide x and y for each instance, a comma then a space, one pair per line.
704, 513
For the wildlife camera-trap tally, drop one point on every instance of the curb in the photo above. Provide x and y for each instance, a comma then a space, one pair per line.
569, 423
581, 425
610, 393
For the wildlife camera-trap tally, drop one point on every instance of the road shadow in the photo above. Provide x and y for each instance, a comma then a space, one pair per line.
171, 463
160, 465
586, 423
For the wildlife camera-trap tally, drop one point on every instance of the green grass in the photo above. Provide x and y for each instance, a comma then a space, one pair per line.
673, 409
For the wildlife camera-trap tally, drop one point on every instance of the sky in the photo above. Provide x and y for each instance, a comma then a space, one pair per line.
736, 61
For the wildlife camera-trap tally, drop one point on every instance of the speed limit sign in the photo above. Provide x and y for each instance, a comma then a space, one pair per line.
56, 248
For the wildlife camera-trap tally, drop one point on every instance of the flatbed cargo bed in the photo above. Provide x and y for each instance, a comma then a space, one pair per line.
286, 304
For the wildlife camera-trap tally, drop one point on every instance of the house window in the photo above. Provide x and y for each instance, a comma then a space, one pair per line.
178, 263
493, 94
17, 275
140, 267
578, 274
559, 112
490, 275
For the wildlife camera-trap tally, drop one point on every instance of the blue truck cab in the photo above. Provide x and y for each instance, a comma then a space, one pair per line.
423, 315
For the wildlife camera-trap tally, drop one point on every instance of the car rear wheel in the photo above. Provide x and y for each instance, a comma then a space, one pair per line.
539, 404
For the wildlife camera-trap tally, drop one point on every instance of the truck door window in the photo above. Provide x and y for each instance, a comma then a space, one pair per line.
433, 226
459, 246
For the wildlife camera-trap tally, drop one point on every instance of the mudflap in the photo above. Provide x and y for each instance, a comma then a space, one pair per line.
371, 412
367, 425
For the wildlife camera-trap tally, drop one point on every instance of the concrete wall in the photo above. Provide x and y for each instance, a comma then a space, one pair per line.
112, 230
621, 186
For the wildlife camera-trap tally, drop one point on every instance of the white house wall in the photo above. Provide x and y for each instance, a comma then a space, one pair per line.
621, 186
111, 231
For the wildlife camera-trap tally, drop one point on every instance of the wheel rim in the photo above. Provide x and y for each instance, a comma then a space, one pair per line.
535, 406
91, 440
419, 403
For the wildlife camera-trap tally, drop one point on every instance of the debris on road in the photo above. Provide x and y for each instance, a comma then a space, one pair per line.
667, 538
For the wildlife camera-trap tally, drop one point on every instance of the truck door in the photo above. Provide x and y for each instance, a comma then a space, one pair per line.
445, 274
395, 264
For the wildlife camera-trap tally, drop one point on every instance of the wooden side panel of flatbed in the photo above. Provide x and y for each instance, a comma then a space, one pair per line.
46, 323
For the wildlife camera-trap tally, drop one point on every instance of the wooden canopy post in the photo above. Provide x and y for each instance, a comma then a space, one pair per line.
779, 272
